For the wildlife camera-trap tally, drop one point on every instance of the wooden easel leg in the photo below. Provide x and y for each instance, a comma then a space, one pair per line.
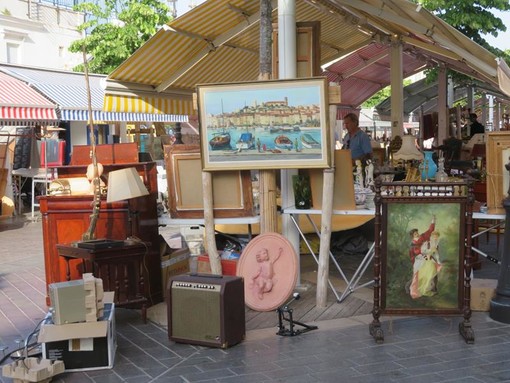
467, 332
376, 331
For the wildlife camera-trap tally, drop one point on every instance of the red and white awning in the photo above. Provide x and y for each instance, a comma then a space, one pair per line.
22, 105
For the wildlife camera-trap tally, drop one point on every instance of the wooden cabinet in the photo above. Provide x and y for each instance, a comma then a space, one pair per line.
66, 218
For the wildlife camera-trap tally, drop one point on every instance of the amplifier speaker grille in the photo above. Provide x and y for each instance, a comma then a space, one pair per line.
206, 310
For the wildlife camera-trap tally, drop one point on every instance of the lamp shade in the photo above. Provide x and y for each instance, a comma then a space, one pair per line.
125, 184
408, 150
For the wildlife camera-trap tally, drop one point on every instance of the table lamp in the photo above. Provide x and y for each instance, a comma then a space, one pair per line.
408, 150
125, 184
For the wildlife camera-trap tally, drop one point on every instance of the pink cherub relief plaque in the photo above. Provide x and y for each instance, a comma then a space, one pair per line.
269, 268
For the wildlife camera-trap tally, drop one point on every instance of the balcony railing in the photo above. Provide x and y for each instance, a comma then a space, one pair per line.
63, 3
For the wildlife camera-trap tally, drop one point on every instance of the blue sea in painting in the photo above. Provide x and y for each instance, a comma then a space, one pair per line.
266, 137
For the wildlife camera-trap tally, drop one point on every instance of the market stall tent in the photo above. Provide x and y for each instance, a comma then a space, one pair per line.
218, 41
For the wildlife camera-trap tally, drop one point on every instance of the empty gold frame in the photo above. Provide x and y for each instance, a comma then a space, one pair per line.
498, 144
232, 191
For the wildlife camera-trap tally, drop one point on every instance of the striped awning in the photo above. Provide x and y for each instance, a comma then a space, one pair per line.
218, 42
22, 105
149, 104
69, 91
83, 115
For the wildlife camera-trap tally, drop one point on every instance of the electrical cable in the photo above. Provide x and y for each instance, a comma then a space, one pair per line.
27, 346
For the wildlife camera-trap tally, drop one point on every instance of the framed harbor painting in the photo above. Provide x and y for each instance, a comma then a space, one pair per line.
264, 125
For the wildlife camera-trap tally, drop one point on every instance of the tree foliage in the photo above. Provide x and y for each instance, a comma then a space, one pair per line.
116, 30
474, 19
380, 96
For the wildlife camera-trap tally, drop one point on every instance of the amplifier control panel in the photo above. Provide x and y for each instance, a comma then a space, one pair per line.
196, 286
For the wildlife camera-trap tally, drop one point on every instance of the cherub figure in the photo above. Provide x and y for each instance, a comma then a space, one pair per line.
263, 280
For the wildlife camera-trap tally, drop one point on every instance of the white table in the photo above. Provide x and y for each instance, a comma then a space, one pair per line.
169, 221
353, 282
166, 220
500, 218
38, 175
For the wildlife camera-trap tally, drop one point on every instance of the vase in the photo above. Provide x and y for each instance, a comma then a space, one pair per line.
428, 167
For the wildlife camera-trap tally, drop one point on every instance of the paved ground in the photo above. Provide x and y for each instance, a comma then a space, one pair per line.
417, 349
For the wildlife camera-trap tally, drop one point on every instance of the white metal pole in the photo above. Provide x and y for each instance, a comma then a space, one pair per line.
287, 69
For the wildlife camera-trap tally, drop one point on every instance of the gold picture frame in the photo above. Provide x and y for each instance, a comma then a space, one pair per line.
273, 124
232, 190
497, 147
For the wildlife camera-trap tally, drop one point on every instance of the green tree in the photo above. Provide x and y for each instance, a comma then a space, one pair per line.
473, 18
380, 96
116, 29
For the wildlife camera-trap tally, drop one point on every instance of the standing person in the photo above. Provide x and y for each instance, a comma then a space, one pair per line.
476, 127
356, 139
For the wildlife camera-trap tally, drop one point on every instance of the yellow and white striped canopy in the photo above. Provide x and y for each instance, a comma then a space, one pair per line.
218, 42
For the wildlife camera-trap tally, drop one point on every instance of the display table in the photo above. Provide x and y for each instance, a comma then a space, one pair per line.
120, 268
498, 221
39, 175
352, 282
238, 221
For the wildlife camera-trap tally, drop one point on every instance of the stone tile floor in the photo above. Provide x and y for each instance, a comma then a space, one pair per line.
416, 349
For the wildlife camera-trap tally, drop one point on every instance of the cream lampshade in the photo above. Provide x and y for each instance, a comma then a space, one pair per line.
125, 184
408, 150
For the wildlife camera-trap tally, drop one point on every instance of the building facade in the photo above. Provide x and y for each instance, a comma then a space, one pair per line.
38, 33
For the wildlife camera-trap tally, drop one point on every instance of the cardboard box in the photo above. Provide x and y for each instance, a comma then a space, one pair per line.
175, 263
194, 237
94, 350
482, 291
172, 239
228, 266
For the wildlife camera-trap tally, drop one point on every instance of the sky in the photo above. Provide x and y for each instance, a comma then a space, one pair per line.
502, 41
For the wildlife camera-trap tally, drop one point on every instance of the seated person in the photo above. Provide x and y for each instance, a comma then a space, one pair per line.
356, 139
475, 127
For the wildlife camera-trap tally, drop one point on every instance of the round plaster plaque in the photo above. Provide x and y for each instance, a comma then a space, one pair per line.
268, 265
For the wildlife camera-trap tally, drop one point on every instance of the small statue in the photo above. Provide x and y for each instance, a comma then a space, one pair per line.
369, 174
359, 174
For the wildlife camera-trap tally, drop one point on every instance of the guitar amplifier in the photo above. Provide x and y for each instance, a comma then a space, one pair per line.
206, 309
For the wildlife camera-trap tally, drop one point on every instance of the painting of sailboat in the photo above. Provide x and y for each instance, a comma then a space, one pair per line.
246, 141
283, 142
309, 142
220, 141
